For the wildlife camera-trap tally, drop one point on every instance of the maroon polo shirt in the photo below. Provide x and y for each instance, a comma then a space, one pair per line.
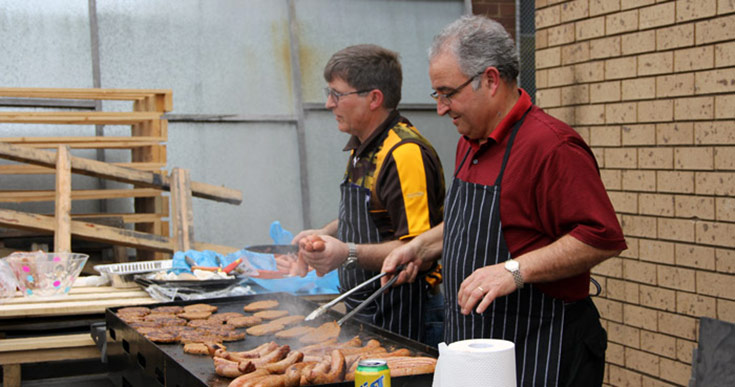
551, 187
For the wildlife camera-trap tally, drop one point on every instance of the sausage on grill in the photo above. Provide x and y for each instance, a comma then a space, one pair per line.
244, 380
336, 370
280, 367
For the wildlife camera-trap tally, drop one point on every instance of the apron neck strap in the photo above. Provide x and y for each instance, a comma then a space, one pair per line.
462, 162
507, 149
510, 145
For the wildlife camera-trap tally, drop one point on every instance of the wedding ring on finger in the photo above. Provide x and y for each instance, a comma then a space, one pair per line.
481, 289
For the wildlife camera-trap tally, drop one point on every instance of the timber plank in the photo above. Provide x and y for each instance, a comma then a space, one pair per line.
90, 231
42, 355
121, 174
126, 218
163, 98
86, 142
182, 215
70, 307
62, 201
97, 289
76, 139
99, 145
79, 118
129, 293
11, 375
60, 341
17, 196
25, 169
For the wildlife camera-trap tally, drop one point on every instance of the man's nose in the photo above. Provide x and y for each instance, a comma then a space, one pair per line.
330, 104
441, 108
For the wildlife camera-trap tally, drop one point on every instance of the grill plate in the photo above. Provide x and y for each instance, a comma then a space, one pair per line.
136, 361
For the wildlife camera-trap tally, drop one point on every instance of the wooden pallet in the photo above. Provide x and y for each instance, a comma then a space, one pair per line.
14, 352
182, 189
54, 343
146, 142
145, 171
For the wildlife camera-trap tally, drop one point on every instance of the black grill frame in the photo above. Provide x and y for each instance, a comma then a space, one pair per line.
136, 361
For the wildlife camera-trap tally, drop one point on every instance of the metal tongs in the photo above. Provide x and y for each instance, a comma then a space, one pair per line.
322, 309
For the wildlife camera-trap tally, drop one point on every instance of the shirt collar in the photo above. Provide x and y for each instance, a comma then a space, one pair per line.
354, 142
515, 114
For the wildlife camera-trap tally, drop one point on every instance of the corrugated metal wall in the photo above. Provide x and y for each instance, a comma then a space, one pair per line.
237, 112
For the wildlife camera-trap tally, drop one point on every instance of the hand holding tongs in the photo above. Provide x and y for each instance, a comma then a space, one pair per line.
322, 309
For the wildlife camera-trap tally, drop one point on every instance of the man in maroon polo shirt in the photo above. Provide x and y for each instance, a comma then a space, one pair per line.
526, 218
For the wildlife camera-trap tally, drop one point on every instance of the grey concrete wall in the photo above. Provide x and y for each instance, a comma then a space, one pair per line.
226, 57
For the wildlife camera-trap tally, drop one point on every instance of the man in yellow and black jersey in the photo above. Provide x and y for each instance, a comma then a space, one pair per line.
393, 190
374, 164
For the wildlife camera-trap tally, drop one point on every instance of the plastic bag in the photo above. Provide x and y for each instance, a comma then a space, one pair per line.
206, 258
252, 263
259, 261
7, 281
280, 235
92, 280
310, 284
167, 294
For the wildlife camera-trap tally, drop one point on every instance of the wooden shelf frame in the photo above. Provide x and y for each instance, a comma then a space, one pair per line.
145, 171
63, 227
146, 143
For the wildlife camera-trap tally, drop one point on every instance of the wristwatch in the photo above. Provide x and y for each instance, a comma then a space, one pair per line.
351, 261
515, 268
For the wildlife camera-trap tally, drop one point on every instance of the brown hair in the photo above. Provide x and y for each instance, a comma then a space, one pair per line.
367, 67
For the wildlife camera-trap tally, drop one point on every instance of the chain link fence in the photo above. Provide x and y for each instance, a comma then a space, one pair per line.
525, 11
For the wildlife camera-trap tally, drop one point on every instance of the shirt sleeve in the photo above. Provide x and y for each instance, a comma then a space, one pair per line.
572, 199
405, 181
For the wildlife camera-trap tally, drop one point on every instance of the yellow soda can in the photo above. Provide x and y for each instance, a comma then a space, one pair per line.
372, 373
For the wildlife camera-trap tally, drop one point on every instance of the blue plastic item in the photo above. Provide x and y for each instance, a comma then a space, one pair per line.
205, 258
260, 261
310, 284
280, 235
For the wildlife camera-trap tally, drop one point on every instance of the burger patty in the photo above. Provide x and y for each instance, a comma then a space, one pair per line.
260, 305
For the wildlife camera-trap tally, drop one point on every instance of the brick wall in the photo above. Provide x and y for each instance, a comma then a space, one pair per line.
651, 87
503, 11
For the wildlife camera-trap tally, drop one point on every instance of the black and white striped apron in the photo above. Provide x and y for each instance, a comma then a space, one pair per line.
473, 239
400, 309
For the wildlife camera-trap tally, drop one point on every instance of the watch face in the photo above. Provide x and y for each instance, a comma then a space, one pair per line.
511, 265
350, 262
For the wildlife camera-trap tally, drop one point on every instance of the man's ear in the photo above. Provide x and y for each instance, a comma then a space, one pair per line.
491, 79
376, 99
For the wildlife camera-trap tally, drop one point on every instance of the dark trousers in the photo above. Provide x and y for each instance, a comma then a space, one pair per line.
434, 319
583, 346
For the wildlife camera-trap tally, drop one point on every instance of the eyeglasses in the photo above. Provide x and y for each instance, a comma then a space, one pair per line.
445, 98
337, 95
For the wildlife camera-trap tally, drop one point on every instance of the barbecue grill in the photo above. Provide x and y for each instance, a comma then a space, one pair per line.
136, 361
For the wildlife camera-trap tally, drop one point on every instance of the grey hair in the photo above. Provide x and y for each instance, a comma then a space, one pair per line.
478, 43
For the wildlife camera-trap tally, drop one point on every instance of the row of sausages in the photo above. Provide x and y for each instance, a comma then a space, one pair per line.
271, 364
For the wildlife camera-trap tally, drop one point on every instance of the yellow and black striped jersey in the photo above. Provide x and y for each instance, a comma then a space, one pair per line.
405, 177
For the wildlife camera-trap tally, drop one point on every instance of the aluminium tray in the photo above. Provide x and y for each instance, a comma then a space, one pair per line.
136, 361
191, 286
121, 274
134, 267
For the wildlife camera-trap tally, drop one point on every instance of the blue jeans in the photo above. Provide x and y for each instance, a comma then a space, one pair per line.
434, 319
